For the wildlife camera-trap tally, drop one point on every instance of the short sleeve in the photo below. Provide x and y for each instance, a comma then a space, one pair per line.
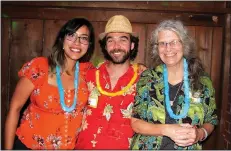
142, 98
35, 70
85, 67
209, 102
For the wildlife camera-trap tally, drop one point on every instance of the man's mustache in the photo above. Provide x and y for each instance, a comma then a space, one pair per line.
118, 50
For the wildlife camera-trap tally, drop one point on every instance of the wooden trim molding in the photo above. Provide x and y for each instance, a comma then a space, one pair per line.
99, 15
181, 6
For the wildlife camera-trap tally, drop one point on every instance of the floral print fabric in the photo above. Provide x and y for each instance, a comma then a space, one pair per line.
44, 124
149, 106
106, 124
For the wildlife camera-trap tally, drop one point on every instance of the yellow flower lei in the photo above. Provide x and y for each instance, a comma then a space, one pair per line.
135, 68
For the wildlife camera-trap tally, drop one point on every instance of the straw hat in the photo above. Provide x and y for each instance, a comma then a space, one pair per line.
118, 23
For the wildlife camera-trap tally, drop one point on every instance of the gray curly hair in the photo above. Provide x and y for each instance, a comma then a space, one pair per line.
195, 66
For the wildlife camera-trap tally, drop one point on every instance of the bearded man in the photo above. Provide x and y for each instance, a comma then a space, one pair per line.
112, 87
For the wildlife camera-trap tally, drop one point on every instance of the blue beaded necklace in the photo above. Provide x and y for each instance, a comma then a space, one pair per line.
61, 90
186, 93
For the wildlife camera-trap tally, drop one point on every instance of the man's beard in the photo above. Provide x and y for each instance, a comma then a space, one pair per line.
115, 60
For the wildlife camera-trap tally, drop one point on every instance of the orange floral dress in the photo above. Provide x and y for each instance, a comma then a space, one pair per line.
44, 124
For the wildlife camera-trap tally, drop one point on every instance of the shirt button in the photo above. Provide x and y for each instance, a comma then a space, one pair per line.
68, 101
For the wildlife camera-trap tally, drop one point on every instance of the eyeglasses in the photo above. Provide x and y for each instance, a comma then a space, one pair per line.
82, 39
173, 44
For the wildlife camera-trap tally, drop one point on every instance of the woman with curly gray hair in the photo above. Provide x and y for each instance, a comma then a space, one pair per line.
175, 103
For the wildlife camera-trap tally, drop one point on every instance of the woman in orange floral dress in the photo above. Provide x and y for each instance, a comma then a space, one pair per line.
57, 90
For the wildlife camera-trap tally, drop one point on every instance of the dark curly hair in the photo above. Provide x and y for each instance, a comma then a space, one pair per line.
57, 56
133, 53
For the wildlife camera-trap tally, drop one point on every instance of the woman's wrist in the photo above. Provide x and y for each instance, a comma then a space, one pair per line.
164, 129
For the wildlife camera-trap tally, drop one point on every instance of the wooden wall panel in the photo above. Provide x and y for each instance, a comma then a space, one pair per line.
225, 125
216, 61
98, 55
5, 34
140, 30
149, 55
192, 31
51, 29
27, 37
204, 44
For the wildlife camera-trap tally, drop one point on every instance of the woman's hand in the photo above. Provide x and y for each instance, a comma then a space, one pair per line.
182, 134
177, 132
185, 134
195, 135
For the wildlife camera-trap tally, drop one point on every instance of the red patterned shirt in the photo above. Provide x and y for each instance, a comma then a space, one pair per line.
106, 123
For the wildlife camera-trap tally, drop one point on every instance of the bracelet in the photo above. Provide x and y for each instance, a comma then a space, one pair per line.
206, 134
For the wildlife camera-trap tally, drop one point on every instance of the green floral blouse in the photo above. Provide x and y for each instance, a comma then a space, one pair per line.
149, 106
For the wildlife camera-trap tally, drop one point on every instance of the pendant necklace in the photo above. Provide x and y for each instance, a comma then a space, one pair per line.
172, 101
